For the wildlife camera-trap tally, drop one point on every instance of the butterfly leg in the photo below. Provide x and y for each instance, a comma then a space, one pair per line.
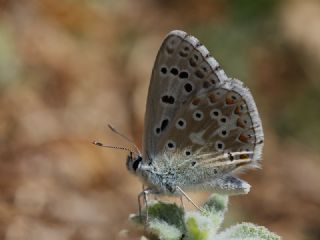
145, 194
141, 194
190, 200
151, 192
181, 201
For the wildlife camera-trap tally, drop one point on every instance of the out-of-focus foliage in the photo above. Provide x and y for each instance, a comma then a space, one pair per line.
67, 68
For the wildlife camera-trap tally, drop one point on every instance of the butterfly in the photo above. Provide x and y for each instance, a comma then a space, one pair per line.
201, 127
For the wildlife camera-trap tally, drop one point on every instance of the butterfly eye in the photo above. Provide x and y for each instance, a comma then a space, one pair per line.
136, 163
197, 115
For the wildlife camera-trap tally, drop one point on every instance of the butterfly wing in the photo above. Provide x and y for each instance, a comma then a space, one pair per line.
167, 89
195, 115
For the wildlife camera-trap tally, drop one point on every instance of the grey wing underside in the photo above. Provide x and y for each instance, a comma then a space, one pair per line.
186, 79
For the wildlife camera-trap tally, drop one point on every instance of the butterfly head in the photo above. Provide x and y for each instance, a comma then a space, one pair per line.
134, 162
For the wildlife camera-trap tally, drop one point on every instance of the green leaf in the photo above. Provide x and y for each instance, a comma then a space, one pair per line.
170, 213
200, 225
247, 231
217, 204
165, 220
195, 231
168, 221
163, 230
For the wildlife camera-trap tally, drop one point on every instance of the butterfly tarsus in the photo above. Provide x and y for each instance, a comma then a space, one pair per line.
144, 194
181, 202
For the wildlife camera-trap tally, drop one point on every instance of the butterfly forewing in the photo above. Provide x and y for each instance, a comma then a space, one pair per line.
194, 110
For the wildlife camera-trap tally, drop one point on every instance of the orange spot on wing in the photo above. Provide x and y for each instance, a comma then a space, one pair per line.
243, 138
196, 101
240, 123
212, 98
230, 101
244, 156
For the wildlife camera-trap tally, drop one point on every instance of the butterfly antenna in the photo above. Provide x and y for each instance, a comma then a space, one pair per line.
114, 147
126, 138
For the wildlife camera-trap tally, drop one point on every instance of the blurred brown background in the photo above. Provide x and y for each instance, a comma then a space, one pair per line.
67, 68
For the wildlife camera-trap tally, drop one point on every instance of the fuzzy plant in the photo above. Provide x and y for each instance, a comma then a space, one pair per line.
168, 221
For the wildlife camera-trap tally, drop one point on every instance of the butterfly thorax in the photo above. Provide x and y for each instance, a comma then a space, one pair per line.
163, 179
